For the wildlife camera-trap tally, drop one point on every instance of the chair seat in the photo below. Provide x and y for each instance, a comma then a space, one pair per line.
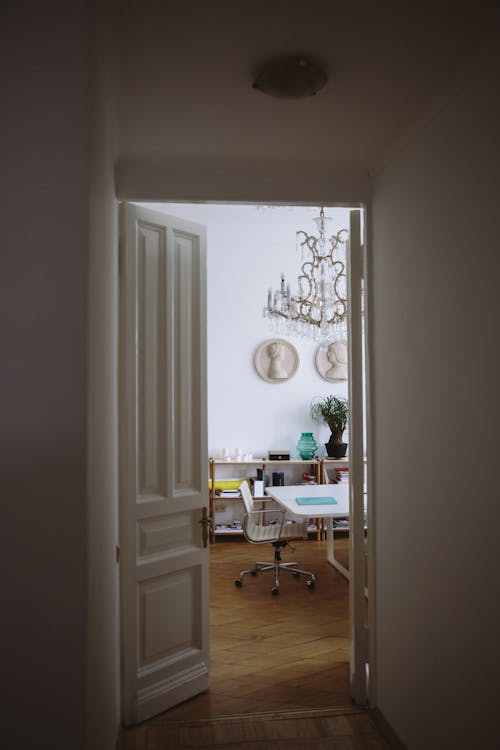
275, 533
270, 532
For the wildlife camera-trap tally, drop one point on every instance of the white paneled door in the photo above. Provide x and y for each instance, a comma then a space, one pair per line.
163, 462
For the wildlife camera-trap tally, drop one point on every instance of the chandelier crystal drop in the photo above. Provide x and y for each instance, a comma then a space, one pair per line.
318, 309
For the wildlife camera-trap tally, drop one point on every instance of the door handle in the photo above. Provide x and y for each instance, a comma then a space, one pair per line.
206, 523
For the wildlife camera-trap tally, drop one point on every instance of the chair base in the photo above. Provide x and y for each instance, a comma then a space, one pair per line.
277, 566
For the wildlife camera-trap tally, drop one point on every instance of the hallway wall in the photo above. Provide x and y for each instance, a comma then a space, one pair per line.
43, 429
102, 668
435, 206
436, 263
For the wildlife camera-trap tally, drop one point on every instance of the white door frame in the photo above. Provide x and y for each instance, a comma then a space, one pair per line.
358, 438
370, 463
362, 690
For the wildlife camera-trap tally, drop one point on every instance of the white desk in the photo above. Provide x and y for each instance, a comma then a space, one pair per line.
287, 498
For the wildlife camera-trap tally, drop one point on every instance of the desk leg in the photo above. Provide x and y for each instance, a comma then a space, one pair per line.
330, 551
317, 521
323, 528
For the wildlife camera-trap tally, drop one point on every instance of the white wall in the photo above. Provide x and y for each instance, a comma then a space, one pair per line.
436, 265
43, 429
247, 248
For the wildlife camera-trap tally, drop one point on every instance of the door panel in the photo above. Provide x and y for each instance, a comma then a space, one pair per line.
163, 462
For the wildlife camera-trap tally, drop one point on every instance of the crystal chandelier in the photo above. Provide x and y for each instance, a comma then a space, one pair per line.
319, 309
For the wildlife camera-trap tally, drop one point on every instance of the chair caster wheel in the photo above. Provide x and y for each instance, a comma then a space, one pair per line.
238, 583
275, 591
253, 572
296, 574
311, 584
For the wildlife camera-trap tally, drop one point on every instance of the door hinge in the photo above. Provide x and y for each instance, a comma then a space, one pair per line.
117, 553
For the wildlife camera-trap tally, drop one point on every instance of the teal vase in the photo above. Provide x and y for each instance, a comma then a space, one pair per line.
307, 446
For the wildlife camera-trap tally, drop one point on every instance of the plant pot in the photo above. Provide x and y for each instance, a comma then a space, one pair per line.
336, 450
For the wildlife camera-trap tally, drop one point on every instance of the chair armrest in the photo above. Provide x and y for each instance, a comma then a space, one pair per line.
268, 511
277, 526
252, 519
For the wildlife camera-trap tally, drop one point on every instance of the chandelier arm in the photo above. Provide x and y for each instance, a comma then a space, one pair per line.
309, 241
336, 281
309, 277
320, 304
299, 317
337, 239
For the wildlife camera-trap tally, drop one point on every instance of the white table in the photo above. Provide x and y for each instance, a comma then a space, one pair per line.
287, 498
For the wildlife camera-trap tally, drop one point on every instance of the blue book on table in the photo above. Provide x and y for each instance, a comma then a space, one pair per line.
316, 501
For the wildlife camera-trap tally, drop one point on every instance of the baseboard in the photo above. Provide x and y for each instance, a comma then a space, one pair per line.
128, 739
294, 713
386, 730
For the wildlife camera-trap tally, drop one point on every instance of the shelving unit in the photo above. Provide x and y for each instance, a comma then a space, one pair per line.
316, 466
332, 463
213, 464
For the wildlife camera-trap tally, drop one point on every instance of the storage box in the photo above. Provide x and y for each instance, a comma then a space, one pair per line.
279, 455
258, 487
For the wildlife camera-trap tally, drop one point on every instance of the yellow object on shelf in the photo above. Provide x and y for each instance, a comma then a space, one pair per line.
225, 484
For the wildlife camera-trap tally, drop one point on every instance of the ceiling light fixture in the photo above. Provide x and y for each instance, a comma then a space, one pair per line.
290, 78
319, 309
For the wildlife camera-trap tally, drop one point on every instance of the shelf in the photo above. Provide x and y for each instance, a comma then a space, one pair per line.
292, 463
263, 500
229, 531
311, 529
221, 462
260, 461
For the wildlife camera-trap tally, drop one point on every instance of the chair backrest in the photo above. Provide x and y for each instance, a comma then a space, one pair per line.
247, 496
253, 530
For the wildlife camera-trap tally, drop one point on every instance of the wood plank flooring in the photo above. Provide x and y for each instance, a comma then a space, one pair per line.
346, 732
279, 665
274, 652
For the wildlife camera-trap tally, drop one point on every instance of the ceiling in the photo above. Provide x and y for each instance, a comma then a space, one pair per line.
184, 72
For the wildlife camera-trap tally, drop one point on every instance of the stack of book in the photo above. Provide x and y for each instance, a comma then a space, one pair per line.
308, 478
228, 493
334, 476
341, 523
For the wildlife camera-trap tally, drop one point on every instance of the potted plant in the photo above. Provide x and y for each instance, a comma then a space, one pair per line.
334, 411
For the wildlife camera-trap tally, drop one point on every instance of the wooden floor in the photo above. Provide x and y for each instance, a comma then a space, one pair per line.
354, 731
279, 664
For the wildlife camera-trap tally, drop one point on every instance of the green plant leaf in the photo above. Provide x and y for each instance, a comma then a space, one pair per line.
334, 411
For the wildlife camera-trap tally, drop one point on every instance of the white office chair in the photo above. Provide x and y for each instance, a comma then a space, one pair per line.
278, 533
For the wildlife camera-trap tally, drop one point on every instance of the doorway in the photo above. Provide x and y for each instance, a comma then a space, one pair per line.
282, 654
237, 285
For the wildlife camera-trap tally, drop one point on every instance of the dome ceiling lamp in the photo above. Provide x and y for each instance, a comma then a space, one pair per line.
290, 77
319, 308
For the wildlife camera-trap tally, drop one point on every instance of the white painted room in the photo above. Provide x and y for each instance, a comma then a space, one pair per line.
248, 248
